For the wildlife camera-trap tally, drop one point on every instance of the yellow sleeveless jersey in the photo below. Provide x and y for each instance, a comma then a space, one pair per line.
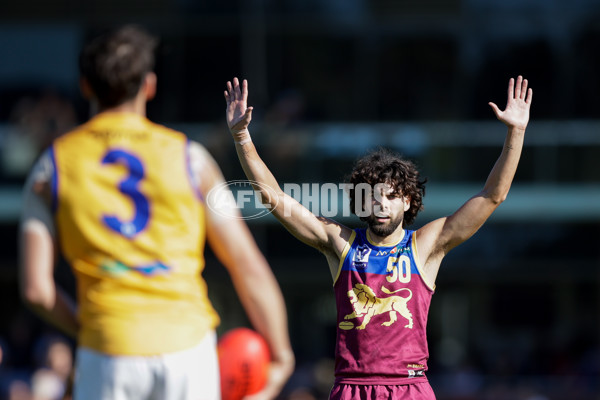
132, 227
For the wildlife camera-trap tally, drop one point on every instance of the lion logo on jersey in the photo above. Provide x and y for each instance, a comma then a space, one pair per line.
366, 304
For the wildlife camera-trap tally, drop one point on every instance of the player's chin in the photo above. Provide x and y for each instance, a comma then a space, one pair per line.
383, 228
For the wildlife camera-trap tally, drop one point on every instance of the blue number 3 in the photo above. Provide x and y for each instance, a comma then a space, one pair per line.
129, 187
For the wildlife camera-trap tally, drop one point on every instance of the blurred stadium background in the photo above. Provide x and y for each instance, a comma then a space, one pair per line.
517, 309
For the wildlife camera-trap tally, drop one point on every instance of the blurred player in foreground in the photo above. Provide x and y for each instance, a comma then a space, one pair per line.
124, 198
384, 275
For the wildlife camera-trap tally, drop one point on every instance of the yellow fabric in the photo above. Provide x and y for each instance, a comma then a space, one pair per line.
139, 293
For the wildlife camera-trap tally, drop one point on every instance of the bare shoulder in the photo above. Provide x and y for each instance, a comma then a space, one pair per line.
38, 195
338, 234
39, 180
205, 171
198, 153
339, 239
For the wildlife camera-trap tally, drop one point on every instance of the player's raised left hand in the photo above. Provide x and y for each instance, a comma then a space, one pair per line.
516, 113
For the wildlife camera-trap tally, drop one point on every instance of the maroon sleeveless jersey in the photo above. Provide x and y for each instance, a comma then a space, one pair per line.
382, 306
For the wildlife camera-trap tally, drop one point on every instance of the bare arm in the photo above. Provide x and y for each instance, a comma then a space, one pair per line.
323, 234
437, 238
37, 256
252, 278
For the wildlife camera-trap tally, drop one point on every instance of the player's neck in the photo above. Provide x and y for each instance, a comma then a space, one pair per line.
137, 105
390, 240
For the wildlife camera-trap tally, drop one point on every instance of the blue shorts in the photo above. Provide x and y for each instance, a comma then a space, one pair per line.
413, 391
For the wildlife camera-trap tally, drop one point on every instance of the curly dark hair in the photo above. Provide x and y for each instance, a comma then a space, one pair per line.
116, 63
385, 166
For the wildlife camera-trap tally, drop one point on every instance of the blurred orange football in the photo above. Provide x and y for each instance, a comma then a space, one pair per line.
243, 363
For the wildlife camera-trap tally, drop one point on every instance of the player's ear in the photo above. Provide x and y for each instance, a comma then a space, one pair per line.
85, 88
150, 85
406, 200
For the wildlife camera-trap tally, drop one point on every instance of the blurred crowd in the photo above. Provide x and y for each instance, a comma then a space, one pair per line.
35, 364
34, 121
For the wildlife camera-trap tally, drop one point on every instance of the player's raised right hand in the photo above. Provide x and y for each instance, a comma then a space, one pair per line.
237, 113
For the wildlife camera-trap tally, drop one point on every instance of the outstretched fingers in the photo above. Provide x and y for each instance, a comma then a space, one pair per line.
518, 87
238, 114
523, 89
524, 92
519, 90
233, 90
236, 89
529, 96
229, 97
244, 90
516, 113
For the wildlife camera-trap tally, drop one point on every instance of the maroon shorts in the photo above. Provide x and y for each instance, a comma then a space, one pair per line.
413, 391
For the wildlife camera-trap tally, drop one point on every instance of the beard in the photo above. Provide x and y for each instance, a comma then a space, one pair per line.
383, 229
